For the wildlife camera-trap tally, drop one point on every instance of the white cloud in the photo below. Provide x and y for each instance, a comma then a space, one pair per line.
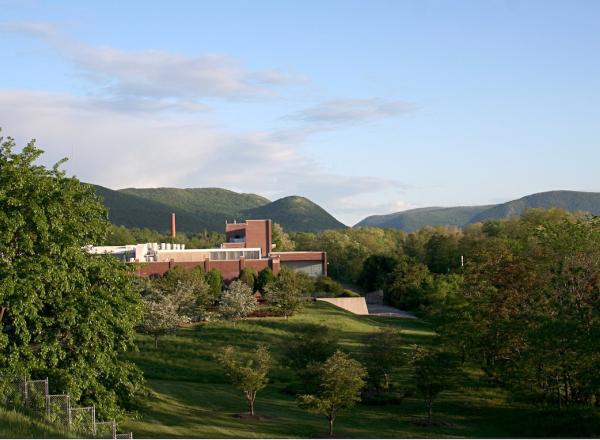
139, 126
344, 111
118, 149
158, 74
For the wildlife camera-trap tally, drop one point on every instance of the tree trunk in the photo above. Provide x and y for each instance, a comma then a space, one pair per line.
252, 407
386, 381
155, 341
429, 411
330, 426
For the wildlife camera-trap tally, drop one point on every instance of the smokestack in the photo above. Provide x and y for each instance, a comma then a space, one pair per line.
173, 231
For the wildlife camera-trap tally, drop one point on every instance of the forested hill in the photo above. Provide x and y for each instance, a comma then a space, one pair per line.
462, 215
296, 213
198, 209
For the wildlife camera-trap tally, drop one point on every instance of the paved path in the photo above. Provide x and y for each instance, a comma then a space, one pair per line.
384, 310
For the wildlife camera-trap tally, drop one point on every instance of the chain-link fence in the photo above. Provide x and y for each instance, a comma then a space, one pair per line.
83, 420
58, 409
35, 395
32, 396
13, 393
106, 429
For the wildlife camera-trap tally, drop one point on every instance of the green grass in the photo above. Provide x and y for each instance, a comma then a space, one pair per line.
190, 396
17, 425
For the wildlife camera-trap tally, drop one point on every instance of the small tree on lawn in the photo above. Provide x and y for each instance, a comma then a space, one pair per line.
434, 372
249, 375
342, 378
383, 353
161, 316
237, 301
286, 292
309, 346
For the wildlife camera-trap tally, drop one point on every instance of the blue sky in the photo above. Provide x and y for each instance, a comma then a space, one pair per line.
364, 107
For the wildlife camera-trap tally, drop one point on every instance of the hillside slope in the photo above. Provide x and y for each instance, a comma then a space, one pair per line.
296, 213
200, 200
134, 212
569, 200
463, 215
198, 209
414, 219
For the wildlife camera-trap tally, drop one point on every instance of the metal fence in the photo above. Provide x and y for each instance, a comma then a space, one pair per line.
33, 397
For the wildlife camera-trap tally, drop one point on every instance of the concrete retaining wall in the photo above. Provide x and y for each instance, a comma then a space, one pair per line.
358, 306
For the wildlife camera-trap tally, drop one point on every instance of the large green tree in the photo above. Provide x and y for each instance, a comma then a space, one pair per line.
68, 314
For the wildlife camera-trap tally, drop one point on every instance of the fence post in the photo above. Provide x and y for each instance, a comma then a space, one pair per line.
93, 420
25, 393
46, 387
114, 429
68, 412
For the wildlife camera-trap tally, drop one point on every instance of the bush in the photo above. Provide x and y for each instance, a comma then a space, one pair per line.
328, 285
348, 294
266, 312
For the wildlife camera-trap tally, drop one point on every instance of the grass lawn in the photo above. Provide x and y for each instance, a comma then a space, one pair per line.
190, 396
18, 425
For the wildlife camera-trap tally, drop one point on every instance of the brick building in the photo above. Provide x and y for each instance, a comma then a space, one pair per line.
247, 244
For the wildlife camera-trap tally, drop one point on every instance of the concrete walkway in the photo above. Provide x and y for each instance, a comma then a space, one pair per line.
385, 310
359, 306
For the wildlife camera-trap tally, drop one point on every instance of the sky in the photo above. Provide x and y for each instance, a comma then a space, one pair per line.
364, 107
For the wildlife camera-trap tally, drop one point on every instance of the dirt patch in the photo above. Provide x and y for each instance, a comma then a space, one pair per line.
248, 416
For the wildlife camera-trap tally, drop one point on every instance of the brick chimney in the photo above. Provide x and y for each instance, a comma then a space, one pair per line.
173, 231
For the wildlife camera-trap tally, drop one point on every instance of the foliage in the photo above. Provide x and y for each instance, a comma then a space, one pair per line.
527, 307
328, 285
342, 378
163, 314
119, 235
442, 253
348, 294
237, 301
248, 277
69, 315
383, 354
347, 249
409, 285
189, 289
434, 372
375, 271
287, 292
249, 375
310, 346
265, 276
214, 278
281, 239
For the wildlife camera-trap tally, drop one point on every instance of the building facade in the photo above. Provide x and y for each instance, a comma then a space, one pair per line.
247, 245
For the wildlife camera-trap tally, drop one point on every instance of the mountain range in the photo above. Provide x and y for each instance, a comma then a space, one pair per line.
463, 215
198, 209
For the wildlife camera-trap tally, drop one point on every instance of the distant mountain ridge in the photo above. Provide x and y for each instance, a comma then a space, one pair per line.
198, 209
296, 213
414, 219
